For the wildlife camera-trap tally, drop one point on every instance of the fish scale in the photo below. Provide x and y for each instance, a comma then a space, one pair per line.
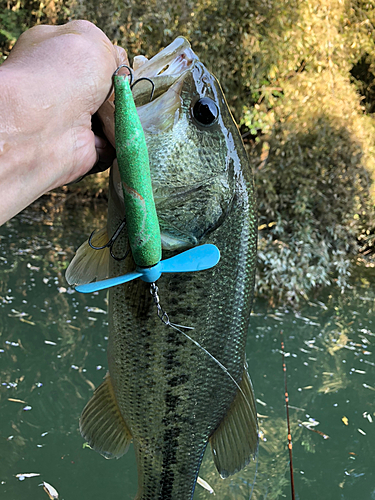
164, 392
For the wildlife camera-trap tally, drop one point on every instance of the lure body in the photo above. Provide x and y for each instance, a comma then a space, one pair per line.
141, 218
132, 157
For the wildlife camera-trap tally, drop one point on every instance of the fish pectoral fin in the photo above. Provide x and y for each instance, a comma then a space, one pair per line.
235, 441
89, 264
102, 424
176, 241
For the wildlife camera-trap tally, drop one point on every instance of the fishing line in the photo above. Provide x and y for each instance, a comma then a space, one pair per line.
255, 477
287, 419
163, 316
165, 319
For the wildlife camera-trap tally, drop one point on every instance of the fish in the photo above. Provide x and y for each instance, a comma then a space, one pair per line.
172, 389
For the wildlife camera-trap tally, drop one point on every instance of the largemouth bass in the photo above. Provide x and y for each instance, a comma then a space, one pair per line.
172, 390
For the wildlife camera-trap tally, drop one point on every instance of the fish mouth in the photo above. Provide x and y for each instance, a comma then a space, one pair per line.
164, 69
167, 71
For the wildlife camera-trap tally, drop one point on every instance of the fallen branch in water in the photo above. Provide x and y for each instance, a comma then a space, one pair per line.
287, 419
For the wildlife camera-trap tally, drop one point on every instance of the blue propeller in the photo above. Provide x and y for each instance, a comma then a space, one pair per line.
195, 259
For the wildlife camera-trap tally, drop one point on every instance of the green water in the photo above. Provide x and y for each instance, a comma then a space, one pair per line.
53, 352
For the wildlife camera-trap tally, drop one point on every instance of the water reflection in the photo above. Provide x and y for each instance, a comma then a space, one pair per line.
53, 353
330, 382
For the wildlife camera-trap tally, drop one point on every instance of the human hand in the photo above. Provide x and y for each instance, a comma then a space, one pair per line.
53, 81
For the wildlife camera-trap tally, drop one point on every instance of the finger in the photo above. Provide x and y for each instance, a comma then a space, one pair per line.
120, 55
106, 155
120, 58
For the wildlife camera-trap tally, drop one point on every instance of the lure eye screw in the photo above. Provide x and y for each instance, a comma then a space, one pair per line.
131, 75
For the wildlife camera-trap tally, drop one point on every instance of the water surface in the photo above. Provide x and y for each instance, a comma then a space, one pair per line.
53, 354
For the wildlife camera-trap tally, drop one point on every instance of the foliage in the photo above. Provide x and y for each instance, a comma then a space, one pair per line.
242, 42
313, 186
300, 79
18, 15
316, 177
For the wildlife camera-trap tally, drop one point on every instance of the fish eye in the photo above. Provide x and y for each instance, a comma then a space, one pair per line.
205, 111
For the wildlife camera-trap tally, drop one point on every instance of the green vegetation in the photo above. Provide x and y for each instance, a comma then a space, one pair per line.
300, 80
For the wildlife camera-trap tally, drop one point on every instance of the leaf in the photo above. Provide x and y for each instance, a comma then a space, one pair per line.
205, 485
50, 490
27, 321
95, 310
345, 420
21, 477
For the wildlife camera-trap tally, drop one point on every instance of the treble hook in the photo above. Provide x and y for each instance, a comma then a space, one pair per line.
139, 79
111, 242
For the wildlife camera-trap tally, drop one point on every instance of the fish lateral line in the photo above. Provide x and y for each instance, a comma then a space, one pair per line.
163, 316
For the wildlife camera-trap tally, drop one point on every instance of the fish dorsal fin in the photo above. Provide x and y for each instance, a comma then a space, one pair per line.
102, 424
235, 441
89, 264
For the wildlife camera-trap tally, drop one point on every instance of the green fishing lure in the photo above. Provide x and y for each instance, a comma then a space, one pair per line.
133, 162
141, 217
